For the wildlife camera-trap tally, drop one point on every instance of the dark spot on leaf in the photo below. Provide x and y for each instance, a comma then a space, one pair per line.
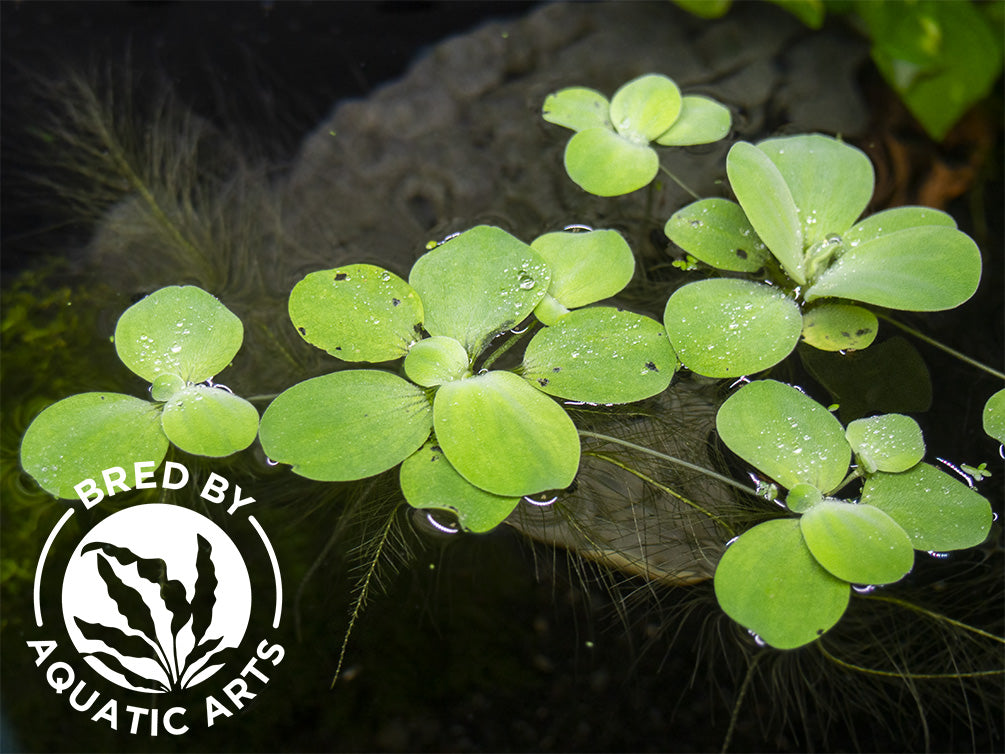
863, 331
340, 276
845, 334
651, 366
395, 301
542, 381
741, 253
437, 448
556, 369
417, 327
820, 632
338, 348
303, 331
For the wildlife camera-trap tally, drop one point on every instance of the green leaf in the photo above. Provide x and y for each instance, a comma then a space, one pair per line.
839, 327
585, 267
601, 355
937, 512
724, 327
831, 182
436, 360
705, 8
81, 436
770, 583
605, 164
892, 220
165, 385
209, 421
702, 120
346, 425
857, 543
645, 107
890, 442
717, 232
922, 268
577, 108
785, 434
504, 436
179, 330
926, 268
478, 284
994, 416
810, 12
429, 481
802, 497
767, 200
357, 313
940, 57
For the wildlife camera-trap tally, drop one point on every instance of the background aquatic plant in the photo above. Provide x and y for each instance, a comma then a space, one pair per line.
798, 199
789, 580
609, 154
177, 339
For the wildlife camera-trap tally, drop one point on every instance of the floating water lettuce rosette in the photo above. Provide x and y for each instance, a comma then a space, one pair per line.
789, 580
808, 264
177, 339
470, 439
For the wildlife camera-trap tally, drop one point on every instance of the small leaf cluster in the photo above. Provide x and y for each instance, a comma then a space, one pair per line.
789, 580
177, 338
469, 440
795, 225
610, 153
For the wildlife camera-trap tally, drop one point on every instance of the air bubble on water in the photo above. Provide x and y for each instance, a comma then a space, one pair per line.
757, 639
270, 462
541, 500
222, 387
440, 526
732, 540
938, 555
864, 588
577, 227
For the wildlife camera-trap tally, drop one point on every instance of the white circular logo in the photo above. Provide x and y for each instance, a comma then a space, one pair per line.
153, 594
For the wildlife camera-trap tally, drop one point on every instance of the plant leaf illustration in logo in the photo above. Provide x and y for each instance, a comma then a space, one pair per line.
179, 671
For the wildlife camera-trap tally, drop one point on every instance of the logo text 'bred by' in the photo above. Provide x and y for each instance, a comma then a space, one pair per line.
157, 600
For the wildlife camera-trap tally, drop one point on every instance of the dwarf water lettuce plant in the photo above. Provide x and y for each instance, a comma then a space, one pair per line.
610, 153
470, 439
793, 230
789, 580
177, 338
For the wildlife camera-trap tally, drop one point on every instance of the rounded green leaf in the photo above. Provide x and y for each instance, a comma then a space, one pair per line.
839, 327
892, 220
645, 107
717, 232
435, 360
937, 512
209, 421
889, 442
606, 164
831, 182
504, 436
478, 284
81, 436
601, 355
165, 385
727, 328
356, 313
802, 497
924, 268
770, 583
577, 108
994, 416
346, 425
768, 204
785, 434
585, 267
857, 543
429, 481
702, 120
179, 330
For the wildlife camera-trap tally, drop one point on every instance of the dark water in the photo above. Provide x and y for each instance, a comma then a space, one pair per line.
476, 643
